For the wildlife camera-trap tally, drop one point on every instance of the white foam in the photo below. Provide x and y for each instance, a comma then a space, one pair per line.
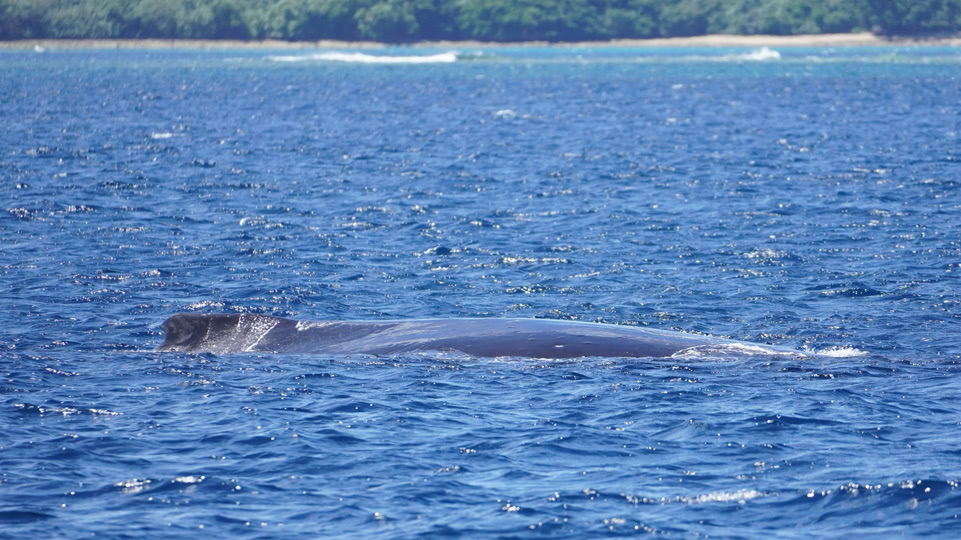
841, 352
739, 496
764, 253
161, 135
723, 350
133, 486
188, 479
764, 53
204, 304
69, 411
364, 58
760, 55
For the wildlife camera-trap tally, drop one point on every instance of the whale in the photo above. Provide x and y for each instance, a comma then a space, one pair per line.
229, 333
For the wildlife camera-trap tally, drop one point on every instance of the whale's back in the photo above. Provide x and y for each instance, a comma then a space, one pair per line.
533, 338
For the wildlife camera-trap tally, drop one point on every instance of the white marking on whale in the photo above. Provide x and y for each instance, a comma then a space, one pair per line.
531, 338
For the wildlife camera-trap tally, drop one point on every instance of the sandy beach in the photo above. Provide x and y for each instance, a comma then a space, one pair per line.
714, 40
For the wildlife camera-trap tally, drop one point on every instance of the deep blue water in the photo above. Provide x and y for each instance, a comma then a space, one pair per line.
811, 201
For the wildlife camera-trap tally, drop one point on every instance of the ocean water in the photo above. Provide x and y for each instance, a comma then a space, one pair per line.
807, 198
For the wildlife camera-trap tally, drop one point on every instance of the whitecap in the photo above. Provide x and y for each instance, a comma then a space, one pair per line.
204, 304
757, 55
188, 479
256, 221
739, 496
364, 58
764, 53
737, 350
764, 253
161, 135
841, 352
133, 486
65, 411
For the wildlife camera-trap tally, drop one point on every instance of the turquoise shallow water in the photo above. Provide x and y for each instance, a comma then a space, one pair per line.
807, 198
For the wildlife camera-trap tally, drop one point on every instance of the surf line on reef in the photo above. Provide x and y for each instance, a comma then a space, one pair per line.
493, 337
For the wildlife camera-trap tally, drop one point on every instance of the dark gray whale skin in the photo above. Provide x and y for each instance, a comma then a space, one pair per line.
531, 338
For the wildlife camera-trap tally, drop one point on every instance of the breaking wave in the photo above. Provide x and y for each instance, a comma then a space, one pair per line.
364, 58
734, 350
764, 53
842, 352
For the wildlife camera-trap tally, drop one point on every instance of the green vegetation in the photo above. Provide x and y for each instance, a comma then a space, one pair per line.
401, 21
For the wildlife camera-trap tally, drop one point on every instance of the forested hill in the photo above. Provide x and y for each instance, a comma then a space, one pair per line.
490, 20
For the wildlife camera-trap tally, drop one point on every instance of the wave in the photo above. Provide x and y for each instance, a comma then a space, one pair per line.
44, 410
764, 53
735, 350
852, 496
740, 496
740, 350
641, 56
364, 58
841, 352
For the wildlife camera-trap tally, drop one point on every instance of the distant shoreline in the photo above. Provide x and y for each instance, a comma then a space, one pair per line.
714, 40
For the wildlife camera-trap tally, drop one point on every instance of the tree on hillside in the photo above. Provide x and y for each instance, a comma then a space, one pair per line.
915, 16
496, 20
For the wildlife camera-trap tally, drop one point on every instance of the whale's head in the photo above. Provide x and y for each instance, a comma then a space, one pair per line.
216, 333
184, 332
